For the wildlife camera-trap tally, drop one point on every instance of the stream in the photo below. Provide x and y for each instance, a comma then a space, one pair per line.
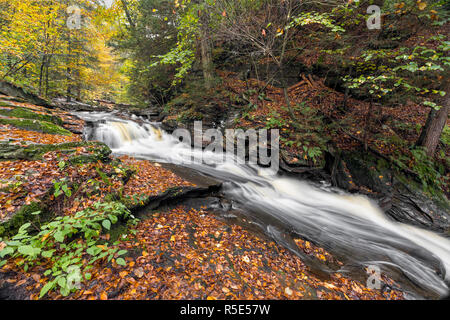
351, 227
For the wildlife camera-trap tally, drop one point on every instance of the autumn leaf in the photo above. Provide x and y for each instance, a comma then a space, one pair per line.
421, 5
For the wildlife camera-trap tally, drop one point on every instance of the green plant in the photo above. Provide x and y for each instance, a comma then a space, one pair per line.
445, 137
275, 121
431, 178
61, 187
63, 245
11, 186
313, 152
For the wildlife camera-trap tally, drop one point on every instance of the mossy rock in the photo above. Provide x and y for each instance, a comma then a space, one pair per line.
117, 230
7, 104
36, 125
189, 116
24, 215
17, 92
35, 151
363, 170
15, 99
24, 113
100, 152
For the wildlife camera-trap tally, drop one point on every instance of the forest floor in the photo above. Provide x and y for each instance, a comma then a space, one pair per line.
175, 253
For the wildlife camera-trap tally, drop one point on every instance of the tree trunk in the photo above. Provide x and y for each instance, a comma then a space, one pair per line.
347, 92
128, 15
367, 126
430, 117
46, 75
68, 70
41, 74
434, 130
435, 124
207, 65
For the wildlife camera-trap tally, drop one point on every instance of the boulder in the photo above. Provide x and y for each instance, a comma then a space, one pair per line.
10, 89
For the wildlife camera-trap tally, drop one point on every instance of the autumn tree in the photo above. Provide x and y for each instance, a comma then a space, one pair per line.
268, 27
143, 34
196, 23
40, 49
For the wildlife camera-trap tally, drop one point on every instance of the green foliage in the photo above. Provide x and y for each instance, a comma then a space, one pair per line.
445, 137
394, 73
275, 121
11, 185
307, 135
40, 52
61, 187
307, 18
431, 177
62, 244
189, 116
192, 16
155, 34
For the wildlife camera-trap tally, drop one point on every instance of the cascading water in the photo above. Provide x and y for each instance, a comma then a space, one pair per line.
348, 225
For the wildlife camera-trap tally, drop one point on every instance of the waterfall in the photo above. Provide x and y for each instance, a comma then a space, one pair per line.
351, 226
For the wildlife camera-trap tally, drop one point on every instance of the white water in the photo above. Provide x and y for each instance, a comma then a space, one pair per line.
350, 225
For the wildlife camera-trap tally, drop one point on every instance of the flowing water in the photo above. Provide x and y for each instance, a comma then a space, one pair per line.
350, 226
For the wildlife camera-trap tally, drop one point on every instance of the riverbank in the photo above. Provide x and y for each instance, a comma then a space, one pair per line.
172, 252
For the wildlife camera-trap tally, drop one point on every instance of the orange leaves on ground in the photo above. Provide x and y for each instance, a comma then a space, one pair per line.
8, 132
189, 254
150, 179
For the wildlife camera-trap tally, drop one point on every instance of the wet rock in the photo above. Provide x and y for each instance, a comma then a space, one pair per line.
400, 197
11, 151
172, 196
410, 205
9, 290
9, 89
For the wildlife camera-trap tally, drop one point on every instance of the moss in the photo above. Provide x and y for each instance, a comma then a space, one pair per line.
23, 216
100, 151
190, 115
433, 193
36, 125
174, 191
117, 230
25, 113
6, 104
16, 99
